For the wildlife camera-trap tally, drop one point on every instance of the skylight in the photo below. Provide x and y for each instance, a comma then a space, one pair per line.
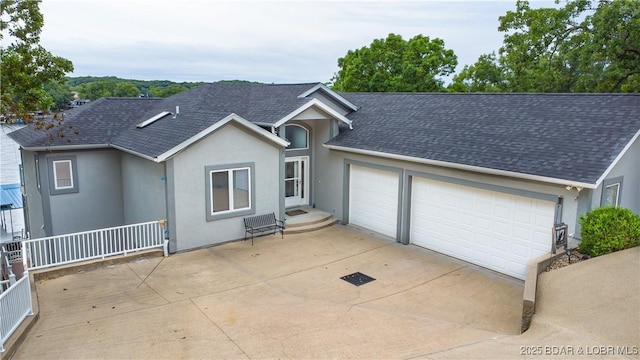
153, 119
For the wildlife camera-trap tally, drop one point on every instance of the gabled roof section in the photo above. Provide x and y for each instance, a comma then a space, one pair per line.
202, 107
113, 121
337, 97
314, 103
556, 138
217, 125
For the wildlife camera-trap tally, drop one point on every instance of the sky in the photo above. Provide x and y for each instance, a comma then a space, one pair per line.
264, 41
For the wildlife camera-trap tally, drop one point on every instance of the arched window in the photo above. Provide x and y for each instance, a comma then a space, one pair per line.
297, 136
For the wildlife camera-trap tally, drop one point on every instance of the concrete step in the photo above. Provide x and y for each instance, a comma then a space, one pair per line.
307, 219
303, 228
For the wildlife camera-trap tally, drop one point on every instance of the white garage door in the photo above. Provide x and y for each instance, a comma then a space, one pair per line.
492, 229
373, 199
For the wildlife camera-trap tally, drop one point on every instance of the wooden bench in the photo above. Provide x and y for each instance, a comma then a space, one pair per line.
262, 223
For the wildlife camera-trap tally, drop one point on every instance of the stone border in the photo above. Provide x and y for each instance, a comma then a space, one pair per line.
19, 335
534, 268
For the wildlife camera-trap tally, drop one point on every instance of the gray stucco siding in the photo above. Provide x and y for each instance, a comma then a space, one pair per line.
628, 170
143, 189
322, 175
34, 207
98, 204
229, 145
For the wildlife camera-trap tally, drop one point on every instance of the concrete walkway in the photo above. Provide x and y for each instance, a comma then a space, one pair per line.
586, 310
282, 298
285, 299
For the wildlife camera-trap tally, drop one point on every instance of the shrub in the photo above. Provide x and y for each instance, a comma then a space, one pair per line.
609, 229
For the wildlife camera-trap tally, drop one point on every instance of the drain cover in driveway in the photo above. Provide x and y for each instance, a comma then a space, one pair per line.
357, 279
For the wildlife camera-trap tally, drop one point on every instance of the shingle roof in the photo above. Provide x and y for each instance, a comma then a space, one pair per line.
97, 123
205, 105
562, 136
113, 120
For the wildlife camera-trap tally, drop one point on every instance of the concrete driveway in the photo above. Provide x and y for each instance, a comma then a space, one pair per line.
282, 298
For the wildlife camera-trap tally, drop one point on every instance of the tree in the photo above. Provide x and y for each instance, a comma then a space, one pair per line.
26, 66
60, 92
583, 46
485, 75
126, 89
172, 89
97, 89
394, 64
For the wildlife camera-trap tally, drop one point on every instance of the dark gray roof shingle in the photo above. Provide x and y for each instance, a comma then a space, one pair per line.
97, 123
563, 136
205, 105
113, 120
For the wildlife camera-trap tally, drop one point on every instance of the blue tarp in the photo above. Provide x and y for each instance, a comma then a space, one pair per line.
10, 196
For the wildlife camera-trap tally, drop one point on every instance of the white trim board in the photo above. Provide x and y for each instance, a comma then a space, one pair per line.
317, 103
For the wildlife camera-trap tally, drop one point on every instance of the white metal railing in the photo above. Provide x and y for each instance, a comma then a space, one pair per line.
96, 244
15, 306
7, 259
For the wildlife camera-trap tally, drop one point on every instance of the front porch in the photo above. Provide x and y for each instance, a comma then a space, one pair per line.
305, 219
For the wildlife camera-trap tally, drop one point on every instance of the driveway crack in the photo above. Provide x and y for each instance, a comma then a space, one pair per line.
221, 329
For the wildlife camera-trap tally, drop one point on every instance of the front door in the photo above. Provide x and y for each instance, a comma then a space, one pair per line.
296, 184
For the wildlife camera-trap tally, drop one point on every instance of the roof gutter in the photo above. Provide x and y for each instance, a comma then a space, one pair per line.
479, 169
65, 147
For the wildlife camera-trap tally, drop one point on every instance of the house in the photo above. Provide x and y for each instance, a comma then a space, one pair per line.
480, 177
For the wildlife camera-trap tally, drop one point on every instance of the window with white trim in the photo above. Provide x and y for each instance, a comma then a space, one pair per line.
62, 174
229, 190
611, 192
611, 196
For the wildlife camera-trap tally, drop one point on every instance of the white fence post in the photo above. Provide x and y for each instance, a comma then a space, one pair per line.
102, 243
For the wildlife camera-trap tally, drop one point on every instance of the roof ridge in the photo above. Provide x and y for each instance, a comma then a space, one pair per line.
489, 93
130, 98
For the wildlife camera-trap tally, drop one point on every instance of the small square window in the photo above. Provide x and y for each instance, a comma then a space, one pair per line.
63, 174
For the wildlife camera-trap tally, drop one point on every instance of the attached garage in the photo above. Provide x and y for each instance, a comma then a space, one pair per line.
373, 199
492, 229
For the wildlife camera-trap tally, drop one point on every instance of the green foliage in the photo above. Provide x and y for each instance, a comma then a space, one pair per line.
26, 66
583, 46
156, 91
608, 229
92, 87
97, 89
484, 76
61, 94
126, 89
394, 64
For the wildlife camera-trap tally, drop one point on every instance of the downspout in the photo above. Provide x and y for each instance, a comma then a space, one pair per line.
166, 212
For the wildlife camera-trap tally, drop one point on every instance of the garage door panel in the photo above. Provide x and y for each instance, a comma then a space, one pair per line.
497, 230
373, 199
